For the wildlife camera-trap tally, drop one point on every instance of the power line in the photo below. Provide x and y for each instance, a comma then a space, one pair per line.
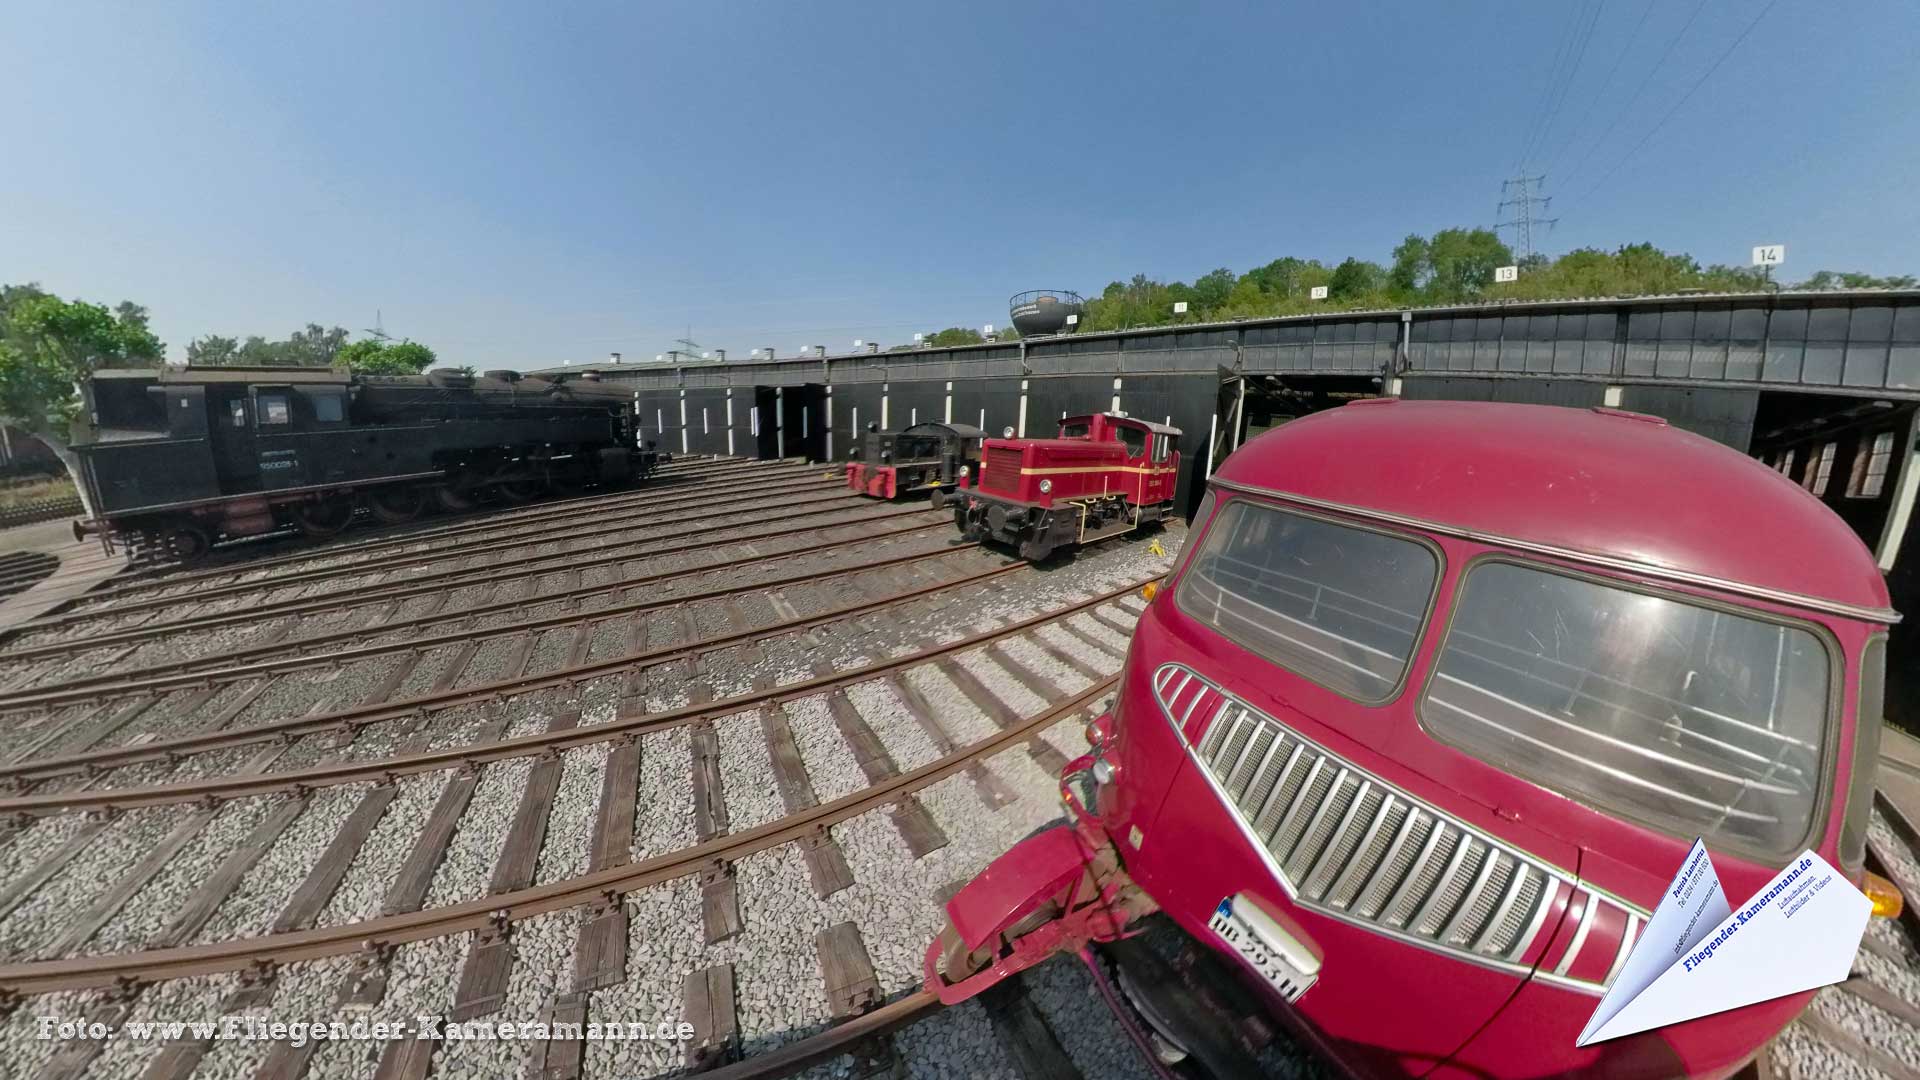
1697, 84
1573, 132
1645, 81
1560, 52
1559, 99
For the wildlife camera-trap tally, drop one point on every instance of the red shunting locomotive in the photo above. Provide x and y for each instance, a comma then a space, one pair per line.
1410, 742
928, 457
1105, 473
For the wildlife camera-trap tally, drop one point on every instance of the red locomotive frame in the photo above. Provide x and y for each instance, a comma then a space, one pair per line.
1404, 825
1105, 473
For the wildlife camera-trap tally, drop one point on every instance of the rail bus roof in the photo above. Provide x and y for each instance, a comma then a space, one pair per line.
1600, 486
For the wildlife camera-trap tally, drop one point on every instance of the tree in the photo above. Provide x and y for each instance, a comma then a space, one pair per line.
956, 335
1356, 278
1211, 290
376, 357
48, 347
213, 351
1829, 279
1460, 262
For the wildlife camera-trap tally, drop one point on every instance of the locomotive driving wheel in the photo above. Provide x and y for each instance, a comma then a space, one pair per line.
324, 517
185, 541
394, 504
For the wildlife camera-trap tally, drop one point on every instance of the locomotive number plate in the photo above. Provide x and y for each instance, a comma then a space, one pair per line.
1287, 965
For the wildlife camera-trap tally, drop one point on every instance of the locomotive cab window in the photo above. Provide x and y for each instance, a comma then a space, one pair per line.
1162, 447
1134, 440
237, 413
1688, 718
1073, 431
1339, 605
326, 405
274, 410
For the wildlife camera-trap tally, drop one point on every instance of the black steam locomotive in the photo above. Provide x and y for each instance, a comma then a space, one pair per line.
177, 459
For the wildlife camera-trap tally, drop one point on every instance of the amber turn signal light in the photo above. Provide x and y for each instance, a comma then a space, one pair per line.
1150, 590
1887, 901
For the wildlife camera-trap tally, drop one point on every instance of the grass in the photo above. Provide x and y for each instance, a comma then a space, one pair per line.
34, 489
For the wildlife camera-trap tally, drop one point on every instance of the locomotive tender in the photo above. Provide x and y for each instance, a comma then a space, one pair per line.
925, 457
1411, 740
178, 458
1105, 473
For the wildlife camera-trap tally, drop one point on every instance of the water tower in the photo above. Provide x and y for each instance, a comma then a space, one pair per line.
1039, 312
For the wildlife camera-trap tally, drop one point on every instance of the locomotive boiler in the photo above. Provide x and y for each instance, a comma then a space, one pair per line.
1410, 742
927, 457
177, 459
1103, 474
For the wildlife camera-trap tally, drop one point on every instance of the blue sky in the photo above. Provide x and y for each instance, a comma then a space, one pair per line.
518, 185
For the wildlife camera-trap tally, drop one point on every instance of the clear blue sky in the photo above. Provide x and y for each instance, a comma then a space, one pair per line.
521, 184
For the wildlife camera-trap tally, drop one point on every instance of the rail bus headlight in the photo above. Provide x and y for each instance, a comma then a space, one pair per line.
1887, 901
1046, 486
1103, 771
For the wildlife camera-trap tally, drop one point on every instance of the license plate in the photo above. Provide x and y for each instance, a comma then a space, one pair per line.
1288, 966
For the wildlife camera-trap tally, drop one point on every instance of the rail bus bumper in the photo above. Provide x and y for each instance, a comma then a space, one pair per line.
1054, 892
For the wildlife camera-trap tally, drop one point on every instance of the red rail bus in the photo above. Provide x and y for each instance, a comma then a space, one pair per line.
1408, 744
1105, 473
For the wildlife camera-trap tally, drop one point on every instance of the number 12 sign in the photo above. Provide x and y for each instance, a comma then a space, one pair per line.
1769, 254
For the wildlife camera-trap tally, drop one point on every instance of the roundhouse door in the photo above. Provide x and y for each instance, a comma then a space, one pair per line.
230, 430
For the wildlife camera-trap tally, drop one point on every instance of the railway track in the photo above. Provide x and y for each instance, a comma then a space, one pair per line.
487, 618
831, 758
809, 492
722, 808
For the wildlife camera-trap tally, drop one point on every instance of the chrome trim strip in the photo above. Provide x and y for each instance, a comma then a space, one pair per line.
1779, 596
1340, 830
1187, 714
1459, 856
1253, 739
1280, 783
1521, 873
1366, 841
1407, 825
1525, 941
1627, 937
1319, 816
1579, 936
1434, 836
1296, 808
1266, 759
1479, 886
1565, 983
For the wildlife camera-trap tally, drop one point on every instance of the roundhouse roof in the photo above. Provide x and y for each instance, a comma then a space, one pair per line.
1601, 484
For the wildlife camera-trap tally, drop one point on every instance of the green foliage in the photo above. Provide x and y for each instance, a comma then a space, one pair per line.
375, 357
1452, 266
48, 345
1829, 279
316, 346
956, 335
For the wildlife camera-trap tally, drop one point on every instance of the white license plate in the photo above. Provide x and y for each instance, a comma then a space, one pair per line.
1286, 964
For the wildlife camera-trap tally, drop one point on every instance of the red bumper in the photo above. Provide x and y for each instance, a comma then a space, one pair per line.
877, 481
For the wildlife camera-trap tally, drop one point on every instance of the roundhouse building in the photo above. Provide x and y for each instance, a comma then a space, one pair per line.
1823, 387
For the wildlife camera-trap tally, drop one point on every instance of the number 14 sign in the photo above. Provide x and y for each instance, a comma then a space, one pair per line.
1769, 254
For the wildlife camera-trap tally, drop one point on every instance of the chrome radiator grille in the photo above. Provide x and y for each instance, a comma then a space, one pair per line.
1352, 846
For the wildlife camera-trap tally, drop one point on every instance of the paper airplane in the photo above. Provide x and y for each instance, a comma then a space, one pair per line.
1698, 956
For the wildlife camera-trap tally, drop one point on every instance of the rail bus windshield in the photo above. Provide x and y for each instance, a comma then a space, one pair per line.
1339, 605
1693, 720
